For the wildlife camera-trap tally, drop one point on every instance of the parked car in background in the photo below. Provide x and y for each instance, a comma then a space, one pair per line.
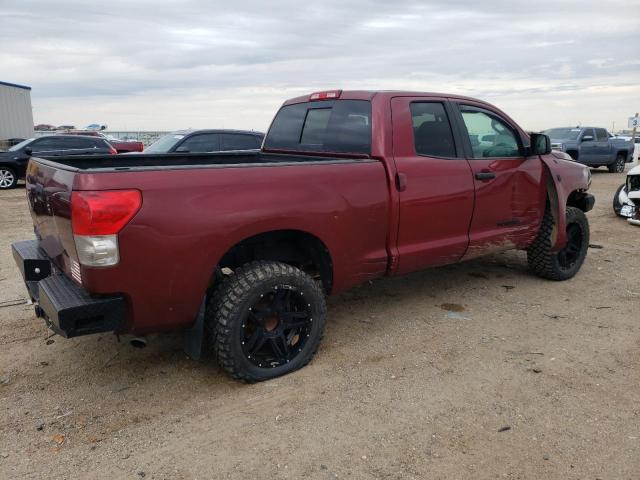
348, 187
202, 141
13, 162
626, 201
121, 146
44, 127
592, 146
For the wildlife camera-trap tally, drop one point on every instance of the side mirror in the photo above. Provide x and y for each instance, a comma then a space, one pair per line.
587, 138
182, 150
540, 144
28, 151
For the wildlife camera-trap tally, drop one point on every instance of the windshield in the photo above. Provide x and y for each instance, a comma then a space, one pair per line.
563, 133
23, 143
164, 144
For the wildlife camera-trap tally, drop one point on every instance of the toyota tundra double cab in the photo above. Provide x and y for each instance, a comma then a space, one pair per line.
239, 249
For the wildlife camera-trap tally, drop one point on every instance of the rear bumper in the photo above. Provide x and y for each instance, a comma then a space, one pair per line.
66, 308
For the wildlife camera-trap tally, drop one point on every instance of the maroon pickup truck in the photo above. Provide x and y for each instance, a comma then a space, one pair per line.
239, 249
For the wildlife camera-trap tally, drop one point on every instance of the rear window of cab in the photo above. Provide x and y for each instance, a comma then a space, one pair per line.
337, 126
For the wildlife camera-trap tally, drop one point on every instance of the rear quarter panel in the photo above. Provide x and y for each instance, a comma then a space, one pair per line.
191, 217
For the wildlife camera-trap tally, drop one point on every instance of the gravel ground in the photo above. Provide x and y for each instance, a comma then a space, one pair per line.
477, 370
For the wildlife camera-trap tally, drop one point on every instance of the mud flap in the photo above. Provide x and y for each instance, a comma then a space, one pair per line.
194, 336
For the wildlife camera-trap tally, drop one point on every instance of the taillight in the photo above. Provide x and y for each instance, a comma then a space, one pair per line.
103, 212
328, 95
96, 219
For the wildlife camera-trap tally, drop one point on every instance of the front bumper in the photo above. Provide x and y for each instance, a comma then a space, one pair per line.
66, 308
585, 202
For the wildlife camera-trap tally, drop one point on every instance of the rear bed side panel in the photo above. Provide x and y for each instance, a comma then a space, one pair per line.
190, 218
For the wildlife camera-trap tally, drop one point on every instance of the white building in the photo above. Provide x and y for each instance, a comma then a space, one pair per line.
16, 116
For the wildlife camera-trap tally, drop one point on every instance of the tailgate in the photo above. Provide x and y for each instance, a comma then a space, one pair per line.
48, 188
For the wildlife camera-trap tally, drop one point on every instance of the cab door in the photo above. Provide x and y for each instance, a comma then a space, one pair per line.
603, 147
434, 181
588, 149
509, 195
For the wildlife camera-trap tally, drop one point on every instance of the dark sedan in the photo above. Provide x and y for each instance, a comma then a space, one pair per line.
202, 141
13, 162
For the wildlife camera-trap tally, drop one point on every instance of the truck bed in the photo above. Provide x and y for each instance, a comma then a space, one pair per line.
196, 207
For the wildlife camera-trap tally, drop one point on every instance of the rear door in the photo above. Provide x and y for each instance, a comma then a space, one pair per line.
508, 186
434, 181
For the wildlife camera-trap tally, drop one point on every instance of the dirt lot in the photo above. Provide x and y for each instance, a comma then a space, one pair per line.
477, 370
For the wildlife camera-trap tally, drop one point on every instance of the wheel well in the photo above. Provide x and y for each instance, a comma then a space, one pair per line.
573, 154
297, 248
625, 153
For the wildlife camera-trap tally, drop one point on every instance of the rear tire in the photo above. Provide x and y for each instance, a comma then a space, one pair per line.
565, 263
265, 320
8, 178
617, 206
618, 165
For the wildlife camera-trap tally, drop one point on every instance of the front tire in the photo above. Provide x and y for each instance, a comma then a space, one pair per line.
617, 204
8, 178
565, 263
265, 320
618, 165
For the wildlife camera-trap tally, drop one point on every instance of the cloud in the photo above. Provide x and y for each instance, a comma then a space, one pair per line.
156, 65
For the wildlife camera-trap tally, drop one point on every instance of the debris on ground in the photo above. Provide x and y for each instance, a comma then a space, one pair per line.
452, 307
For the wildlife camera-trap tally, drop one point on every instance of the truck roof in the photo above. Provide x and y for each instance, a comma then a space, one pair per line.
370, 94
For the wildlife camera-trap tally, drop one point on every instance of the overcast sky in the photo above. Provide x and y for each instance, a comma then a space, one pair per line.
153, 65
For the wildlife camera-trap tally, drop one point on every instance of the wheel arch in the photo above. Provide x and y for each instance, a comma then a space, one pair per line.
295, 247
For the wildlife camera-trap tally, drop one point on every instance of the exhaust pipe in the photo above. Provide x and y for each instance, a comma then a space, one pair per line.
138, 342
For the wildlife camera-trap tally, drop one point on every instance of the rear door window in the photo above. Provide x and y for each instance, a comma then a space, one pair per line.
201, 143
238, 141
432, 133
338, 126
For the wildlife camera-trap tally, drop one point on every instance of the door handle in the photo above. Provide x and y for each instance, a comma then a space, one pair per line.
485, 175
401, 181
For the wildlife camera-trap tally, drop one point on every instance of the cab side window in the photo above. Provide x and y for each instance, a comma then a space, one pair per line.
432, 135
588, 132
601, 135
490, 136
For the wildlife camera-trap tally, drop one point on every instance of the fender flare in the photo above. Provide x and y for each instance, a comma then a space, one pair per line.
557, 201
